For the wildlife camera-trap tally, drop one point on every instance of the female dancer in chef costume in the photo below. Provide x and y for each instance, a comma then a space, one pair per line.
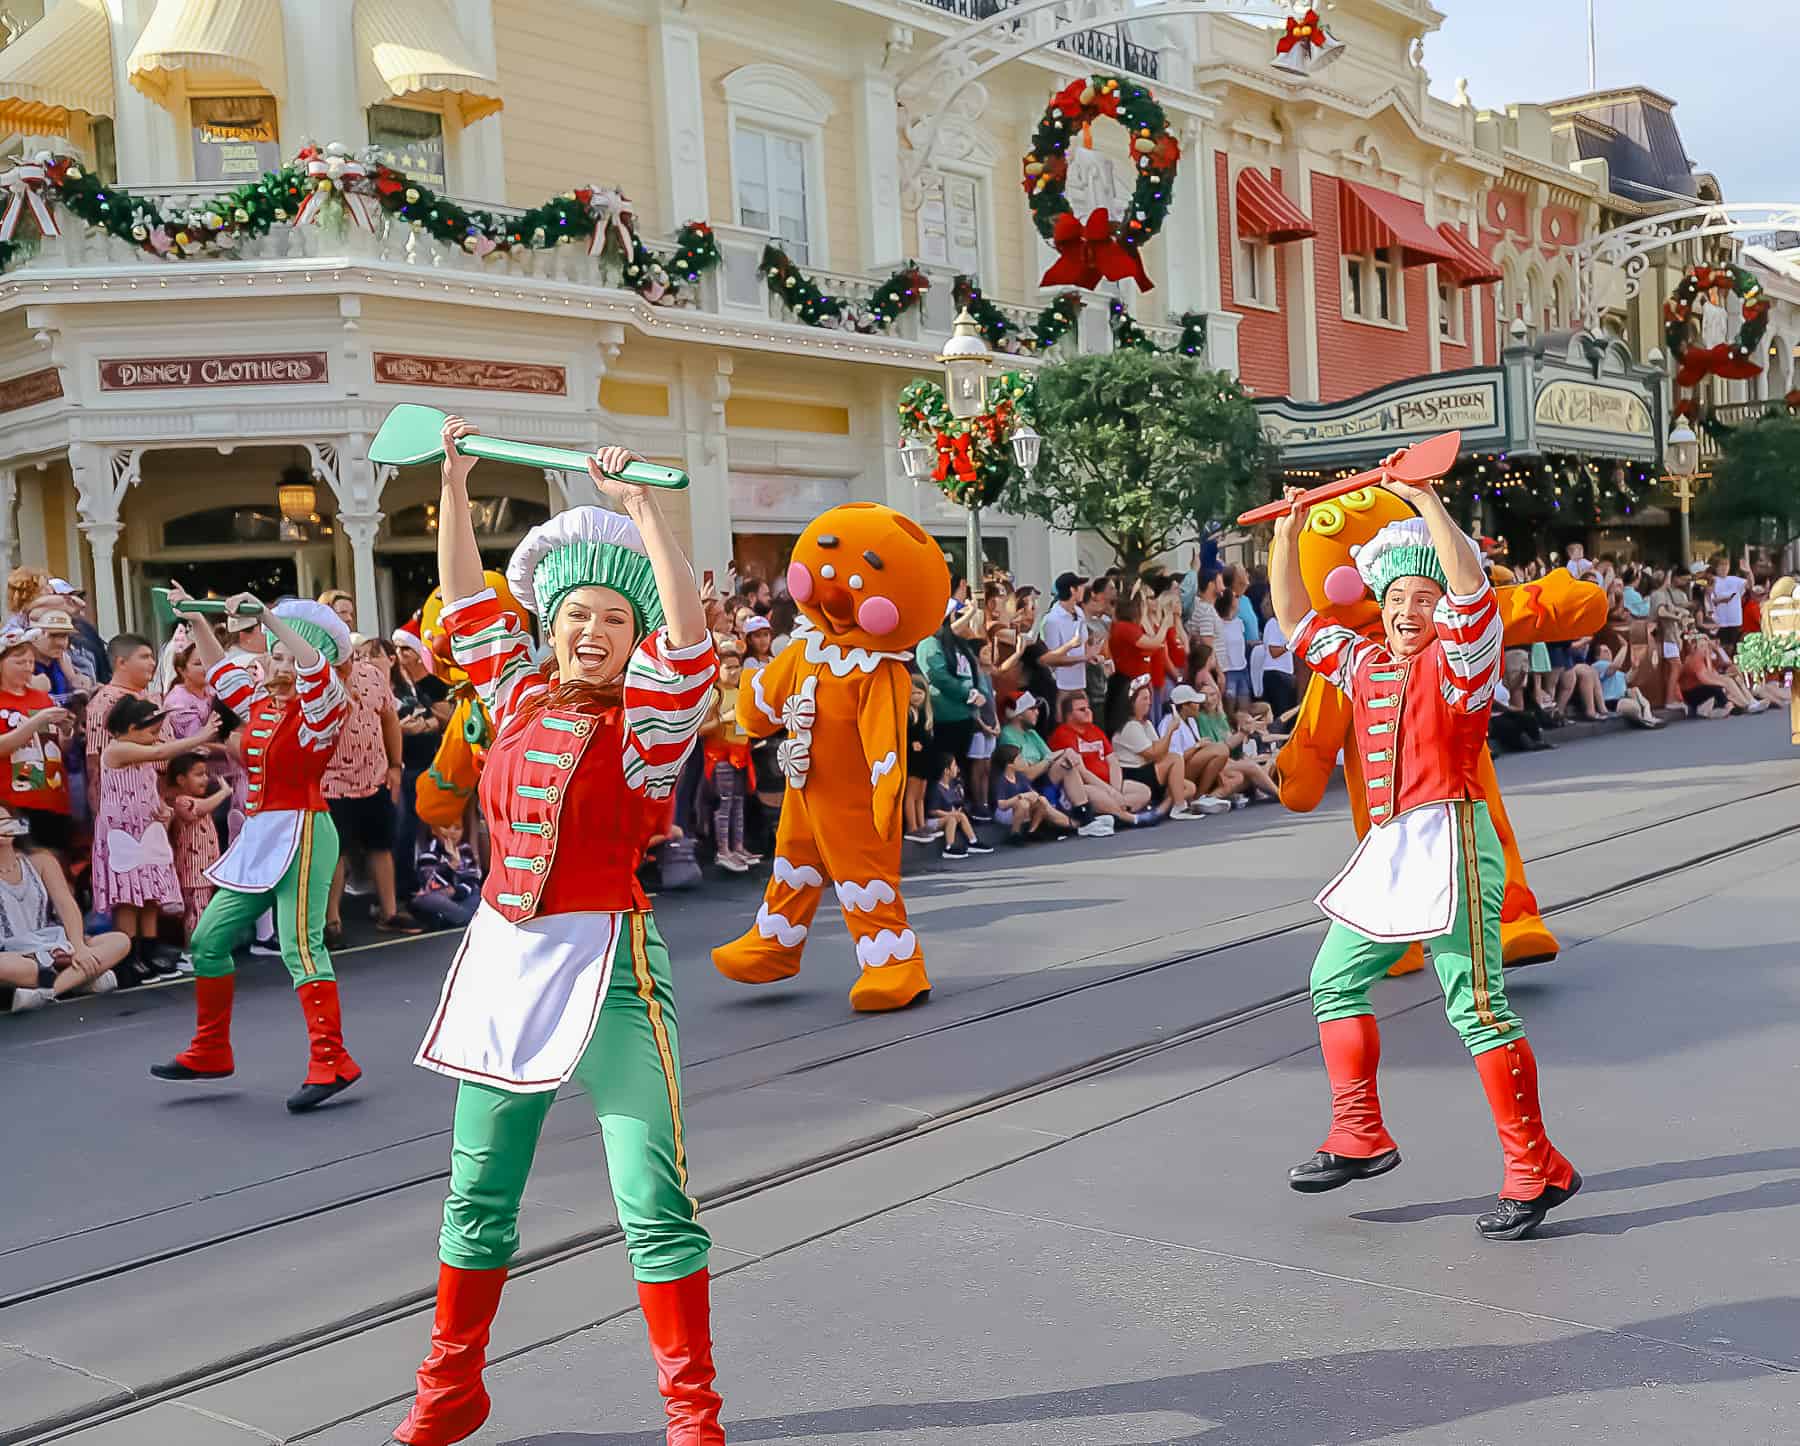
562, 973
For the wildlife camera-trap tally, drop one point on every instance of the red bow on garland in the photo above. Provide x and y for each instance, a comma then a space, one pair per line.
1088, 254
1305, 30
955, 453
24, 186
1723, 360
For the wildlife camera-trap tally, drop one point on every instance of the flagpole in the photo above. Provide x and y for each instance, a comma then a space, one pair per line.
1593, 73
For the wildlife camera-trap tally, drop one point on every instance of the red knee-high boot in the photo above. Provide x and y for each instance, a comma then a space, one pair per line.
209, 1055
1352, 1049
678, 1315
451, 1402
330, 1068
1537, 1178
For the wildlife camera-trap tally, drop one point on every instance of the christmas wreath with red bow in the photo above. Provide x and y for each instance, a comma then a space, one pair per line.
974, 459
1102, 247
1736, 360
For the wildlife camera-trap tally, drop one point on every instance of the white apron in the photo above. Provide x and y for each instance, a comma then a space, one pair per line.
1402, 881
259, 856
521, 1000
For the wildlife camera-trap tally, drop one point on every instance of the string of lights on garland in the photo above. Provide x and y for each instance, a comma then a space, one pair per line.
1736, 360
974, 456
1102, 247
329, 184
1129, 336
1053, 323
800, 294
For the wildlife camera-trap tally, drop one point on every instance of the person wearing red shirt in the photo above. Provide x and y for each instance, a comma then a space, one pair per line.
34, 731
1109, 791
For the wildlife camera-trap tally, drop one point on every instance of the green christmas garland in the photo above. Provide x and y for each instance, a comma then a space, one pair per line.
250, 211
800, 294
974, 456
1128, 335
1053, 323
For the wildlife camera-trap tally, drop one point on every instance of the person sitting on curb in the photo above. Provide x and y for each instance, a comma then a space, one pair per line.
1111, 793
1057, 775
1020, 808
947, 807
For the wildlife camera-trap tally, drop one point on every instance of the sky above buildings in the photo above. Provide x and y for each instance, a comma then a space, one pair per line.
1726, 64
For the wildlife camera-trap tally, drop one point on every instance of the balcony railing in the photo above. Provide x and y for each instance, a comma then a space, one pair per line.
1735, 414
1108, 47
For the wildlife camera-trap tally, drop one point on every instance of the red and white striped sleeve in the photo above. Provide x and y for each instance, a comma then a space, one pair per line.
324, 705
1472, 636
668, 691
234, 685
490, 646
1330, 649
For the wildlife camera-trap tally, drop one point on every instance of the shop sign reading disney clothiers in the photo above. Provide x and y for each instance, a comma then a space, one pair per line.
268, 369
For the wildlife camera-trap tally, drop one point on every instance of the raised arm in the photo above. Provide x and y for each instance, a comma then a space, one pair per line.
1286, 589
459, 555
683, 615
1460, 559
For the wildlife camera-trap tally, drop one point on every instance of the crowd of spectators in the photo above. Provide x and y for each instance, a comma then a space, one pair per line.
1112, 702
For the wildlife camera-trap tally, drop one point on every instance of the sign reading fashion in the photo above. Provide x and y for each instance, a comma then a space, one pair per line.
1593, 408
267, 369
1455, 408
464, 374
30, 389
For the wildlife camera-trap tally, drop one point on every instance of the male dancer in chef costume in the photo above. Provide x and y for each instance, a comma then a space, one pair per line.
1431, 866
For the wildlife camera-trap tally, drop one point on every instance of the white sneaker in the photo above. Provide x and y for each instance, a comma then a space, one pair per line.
1761, 705
1208, 804
1101, 827
24, 999
923, 837
736, 865
106, 983
185, 962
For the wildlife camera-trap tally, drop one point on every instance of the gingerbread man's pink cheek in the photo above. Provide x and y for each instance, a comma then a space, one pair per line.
1343, 586
875, 615
800, 582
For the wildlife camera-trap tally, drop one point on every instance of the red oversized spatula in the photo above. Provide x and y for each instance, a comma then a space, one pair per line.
1420, 464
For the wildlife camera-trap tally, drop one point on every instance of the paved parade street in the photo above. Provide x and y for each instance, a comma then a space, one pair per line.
1047, 1208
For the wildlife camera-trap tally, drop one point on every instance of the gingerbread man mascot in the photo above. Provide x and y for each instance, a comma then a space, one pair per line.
870, 584
1556, 609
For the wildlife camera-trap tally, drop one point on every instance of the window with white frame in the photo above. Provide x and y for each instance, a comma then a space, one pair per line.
1533, 318
772, 186
1253, 275
1450, 312
1556, 304
1371, 284
950, 221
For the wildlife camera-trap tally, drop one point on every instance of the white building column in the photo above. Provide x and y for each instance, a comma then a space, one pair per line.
9, 528
320, 40
1193, 261
678, 101
1299, 262
706, 457
102, 478
149, 143
351, 476
877, 123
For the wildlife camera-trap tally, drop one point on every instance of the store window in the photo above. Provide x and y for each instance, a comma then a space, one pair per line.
1450, 312
235, 137
772, 186
106, 150
950, 222
223, 527
1372, 287
492, 516
1253, 277
411, 141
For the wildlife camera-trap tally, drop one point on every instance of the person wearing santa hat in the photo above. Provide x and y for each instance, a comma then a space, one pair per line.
562, 974
1431, 866
285, 853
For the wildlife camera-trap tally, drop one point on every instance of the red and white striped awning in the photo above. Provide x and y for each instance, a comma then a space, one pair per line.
1374, 220
1471, 268
1265, 213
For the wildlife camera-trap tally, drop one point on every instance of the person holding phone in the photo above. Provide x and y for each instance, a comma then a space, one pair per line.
34, 736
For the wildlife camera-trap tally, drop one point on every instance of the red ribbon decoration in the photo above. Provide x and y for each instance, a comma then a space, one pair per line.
1088, 254
1303, 31
955, 453
1722, 360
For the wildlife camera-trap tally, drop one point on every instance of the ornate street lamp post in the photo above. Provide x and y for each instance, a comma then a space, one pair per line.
1681, 455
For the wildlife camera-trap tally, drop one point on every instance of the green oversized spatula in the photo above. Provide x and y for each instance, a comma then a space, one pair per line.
413, 435
208, 607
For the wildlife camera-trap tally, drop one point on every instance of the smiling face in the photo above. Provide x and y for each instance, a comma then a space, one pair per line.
16, 668
592, 635
1406, 615
278, 670
1333, 585
869, 577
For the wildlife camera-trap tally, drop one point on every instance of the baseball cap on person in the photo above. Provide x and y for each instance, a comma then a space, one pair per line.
242, 622
47, 615
1183, 694
1024, 703
132, 712
1067, 585
757, 624
62, 587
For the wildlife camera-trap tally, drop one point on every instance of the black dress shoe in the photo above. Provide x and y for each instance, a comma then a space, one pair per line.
1326, 1171
174, 1069
1515, 1219
311, 1096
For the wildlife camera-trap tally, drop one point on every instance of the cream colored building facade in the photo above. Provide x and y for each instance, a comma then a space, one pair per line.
149, 408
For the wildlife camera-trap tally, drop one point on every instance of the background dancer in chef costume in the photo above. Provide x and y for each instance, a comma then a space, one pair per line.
285, 852
562, 973
1431, 867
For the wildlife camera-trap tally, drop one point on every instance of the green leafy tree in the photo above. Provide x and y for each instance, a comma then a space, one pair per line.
1756, 479
1143, 450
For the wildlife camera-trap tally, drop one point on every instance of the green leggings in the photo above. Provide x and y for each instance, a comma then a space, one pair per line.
632, 1072
1467, 958
299, 901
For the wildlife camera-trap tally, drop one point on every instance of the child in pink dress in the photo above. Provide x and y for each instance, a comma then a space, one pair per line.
195, 801
134, 863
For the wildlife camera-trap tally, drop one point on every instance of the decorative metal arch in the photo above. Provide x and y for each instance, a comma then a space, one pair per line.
931, 86
1630, 247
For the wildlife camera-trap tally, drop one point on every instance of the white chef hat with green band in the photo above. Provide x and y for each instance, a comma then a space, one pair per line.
585, 547
318, 624
1401, 549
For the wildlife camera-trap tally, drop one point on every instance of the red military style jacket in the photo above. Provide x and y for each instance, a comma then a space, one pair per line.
286, 745
572, 794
